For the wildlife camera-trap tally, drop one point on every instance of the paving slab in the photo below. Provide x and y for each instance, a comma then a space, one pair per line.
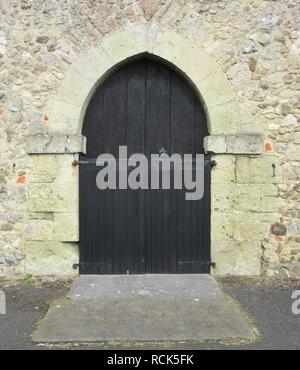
129, 286
142, 319
143, 308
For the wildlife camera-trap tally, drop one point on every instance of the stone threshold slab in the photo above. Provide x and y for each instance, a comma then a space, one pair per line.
168, 286
142, 319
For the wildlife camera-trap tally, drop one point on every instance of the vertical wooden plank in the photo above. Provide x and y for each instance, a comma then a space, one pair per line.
157, 107
114, 128
182, 116
136, 107
93, 123
173, 231
130, 243
141, 234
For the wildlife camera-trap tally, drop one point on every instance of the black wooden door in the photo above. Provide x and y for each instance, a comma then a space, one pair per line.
148, 107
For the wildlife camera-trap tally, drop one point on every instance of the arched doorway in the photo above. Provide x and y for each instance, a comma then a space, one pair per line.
148, 107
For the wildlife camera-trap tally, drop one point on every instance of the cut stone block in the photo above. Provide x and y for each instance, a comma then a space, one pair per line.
234, 144
50, 258
55, 144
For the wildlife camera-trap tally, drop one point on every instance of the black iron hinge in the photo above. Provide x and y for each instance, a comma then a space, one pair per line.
212, 264
83, 162
203, 263
212, 163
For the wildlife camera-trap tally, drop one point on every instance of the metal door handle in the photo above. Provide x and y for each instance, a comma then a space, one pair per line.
162, 151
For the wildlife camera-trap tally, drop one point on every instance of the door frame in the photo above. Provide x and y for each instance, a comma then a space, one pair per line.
90, 267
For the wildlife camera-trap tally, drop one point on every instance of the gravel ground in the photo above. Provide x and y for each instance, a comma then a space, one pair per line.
266, 302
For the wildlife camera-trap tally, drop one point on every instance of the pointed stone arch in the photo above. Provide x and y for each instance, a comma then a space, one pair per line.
67, 109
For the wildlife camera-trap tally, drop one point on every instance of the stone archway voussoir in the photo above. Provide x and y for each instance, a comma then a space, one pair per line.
67, 110
224, 119
127, 43
75, 88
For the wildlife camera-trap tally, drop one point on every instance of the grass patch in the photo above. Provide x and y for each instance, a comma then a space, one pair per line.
28, 279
